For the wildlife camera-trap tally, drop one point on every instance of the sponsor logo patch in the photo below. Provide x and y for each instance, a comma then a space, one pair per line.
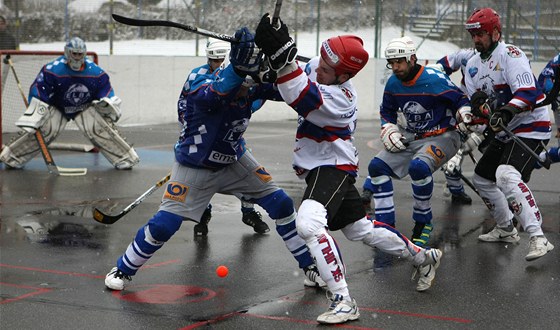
437, 154
176, 192
263, 174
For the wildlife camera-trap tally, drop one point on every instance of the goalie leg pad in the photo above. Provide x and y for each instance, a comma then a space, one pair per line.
111, 144
109, 108
24, 147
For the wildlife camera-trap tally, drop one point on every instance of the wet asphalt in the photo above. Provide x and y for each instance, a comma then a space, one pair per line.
54, 256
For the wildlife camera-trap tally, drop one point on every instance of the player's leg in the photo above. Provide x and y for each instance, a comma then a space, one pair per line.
104, 136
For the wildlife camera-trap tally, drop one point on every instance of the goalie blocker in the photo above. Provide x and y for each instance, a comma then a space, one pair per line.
97, 127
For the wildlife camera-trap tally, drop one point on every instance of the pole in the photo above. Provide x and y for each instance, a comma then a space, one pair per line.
318, 25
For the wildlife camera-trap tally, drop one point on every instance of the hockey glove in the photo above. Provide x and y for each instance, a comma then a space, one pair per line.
479, 104
453, 166
245, 56
503, 116
277, 45
392, 138
464, 117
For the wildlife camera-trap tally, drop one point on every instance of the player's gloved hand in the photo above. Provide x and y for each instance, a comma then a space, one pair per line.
453, 166
472, 142
266, 74
276, 44
502, 116
109, 107
464, 117
478, 100
392, 138
245, 56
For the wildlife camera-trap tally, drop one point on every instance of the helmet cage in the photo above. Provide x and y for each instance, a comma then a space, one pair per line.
75, 53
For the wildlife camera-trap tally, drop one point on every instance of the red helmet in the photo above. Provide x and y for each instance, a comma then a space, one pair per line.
346, 54
485, 19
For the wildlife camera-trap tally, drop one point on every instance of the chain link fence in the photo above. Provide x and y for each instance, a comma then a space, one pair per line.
530, 25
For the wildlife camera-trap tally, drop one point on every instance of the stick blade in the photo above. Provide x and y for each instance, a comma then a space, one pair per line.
66, 171
105, 218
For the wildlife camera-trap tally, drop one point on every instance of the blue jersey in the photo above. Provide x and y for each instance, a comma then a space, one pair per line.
214, 117
70, 91
548, 77
428, 102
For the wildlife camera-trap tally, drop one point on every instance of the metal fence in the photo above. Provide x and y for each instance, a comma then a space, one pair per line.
531, 25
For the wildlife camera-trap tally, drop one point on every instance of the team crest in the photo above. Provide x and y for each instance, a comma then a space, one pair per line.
263, 174
437, 154
473, 71
176, 192
515, 207
513, 51
347, 93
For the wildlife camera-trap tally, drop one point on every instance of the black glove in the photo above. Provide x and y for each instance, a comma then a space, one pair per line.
245, 56
277, 45
502, 116
477, 100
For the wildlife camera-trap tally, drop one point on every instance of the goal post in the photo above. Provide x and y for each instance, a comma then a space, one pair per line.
27, 64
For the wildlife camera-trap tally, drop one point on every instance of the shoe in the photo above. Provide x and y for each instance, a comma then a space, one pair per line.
115, 279
427, 270
312, 277
421, 233
340, 311
538, 247
461, 198
254, 219
500, 235
201, 228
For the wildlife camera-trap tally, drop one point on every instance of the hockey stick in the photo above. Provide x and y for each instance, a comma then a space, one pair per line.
276, 14
190, 28
544, 163
110, 219
49, 161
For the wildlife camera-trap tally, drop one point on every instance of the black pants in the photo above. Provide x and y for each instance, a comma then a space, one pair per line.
335, 189
510, 153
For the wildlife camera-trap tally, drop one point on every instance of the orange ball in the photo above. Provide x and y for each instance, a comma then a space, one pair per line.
222, 271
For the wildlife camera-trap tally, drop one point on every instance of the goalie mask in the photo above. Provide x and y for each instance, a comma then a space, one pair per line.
75, 53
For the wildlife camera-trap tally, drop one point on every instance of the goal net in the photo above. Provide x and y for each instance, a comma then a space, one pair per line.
27, 65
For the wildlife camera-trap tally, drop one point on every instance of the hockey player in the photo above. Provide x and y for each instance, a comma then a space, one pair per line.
499, 76
431, 105
325, 100
209, 159
549, 80
216, 53
71, 88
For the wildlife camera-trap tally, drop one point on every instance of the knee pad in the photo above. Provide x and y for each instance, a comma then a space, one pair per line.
418, 169
163, 225
377, 167
311, 218
278, 205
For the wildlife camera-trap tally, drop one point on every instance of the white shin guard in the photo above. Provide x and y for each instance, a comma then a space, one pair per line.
494, 199
519, 198
117, 151
311, 225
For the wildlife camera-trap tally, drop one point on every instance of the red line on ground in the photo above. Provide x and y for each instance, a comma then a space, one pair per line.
23, 296
52, 271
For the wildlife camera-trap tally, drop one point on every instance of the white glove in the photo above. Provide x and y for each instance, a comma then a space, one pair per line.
109, 107
453, 165
472, 143
464, 117
392, 138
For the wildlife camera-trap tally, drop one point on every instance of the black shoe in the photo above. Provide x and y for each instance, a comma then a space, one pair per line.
201, 228
461, 198
254, 219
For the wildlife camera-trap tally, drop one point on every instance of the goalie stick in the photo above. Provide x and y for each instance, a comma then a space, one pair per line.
110, 219
49, 161
190, 28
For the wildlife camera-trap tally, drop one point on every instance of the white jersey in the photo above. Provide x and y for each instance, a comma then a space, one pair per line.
457, 61
327, 120
506, 77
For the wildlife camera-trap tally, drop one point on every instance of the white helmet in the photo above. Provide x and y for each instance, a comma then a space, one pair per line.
217, 49
400, 47
75, 53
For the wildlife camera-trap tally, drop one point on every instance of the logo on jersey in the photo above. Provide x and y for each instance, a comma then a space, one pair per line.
176, 192
218, 157
437, 154
262, 174
513, 51
347, 93
77, 94
417, 117
473, 71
